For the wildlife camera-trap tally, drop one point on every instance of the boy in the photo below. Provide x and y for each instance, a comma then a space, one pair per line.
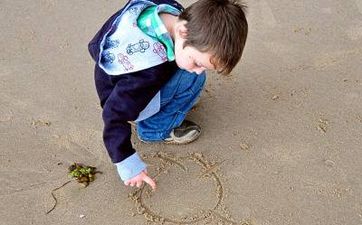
151, 58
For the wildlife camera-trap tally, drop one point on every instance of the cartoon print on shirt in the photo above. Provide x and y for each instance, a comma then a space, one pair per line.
141, 46
123, 59
107, 57
160, 50
134, 10
111, 44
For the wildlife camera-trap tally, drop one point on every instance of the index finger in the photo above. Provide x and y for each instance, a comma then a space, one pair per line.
149, 181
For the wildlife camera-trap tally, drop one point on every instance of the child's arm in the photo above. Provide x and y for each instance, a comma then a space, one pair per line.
122, 106
128, 98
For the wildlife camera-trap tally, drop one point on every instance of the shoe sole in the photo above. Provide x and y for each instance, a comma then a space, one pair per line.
193, 137
187, 139
171, 142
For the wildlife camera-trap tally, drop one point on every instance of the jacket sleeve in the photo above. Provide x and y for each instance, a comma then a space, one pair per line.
131, 94
121, 106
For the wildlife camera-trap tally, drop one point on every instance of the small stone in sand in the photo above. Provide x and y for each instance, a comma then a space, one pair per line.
40, 122
244, 146
329, 163
322, 126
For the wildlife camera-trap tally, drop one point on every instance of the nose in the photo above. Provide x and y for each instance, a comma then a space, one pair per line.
199, 70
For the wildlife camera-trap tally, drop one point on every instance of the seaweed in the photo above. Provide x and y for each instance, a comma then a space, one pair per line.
82, 173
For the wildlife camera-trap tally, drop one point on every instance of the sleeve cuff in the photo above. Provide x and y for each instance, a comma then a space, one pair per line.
130, 167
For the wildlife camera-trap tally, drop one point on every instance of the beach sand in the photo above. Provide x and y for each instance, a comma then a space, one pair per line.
281, 141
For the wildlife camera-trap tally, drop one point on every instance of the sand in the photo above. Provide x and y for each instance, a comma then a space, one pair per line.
281, 140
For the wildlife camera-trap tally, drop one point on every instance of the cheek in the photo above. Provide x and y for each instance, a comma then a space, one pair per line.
181, 61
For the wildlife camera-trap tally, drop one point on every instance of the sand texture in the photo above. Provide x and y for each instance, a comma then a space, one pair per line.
281, 141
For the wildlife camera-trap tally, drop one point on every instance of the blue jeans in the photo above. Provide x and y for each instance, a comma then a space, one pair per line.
177, 98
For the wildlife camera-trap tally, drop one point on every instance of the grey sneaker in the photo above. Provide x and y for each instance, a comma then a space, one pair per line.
187, 132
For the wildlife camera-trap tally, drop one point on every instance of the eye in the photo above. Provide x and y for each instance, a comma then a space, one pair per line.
197, 64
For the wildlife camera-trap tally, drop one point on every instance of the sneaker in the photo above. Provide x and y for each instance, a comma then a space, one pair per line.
187, 132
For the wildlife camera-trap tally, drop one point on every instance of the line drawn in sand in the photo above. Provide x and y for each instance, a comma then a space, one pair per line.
215, 214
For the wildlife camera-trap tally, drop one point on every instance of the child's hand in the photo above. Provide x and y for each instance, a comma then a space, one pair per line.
138, 180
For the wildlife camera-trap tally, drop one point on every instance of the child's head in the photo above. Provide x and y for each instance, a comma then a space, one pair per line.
212, 33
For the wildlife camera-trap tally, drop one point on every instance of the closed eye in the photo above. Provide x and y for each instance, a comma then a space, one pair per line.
198, 64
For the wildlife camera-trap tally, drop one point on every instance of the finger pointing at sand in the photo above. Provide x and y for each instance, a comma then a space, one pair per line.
139, 179
149, 181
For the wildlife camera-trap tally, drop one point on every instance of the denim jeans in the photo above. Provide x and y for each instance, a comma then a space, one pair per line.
177, 98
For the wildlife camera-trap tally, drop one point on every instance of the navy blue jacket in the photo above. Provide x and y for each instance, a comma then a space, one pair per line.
124, 97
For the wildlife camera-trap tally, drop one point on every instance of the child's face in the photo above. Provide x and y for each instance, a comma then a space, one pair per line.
192, 60
189, 58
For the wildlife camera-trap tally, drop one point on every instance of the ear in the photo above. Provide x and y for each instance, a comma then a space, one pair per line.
181, 30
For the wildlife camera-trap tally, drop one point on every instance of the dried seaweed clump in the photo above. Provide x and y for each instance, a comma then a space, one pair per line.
82, 173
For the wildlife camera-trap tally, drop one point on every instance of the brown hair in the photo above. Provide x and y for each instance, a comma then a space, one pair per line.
218, 27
